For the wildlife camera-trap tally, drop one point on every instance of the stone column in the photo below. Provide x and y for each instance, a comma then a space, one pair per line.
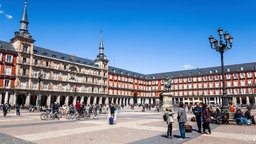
240, 99
127, 101
218, 100
1, 97
107, 101
58, 99
82, 99
117, 99
95, 100
11, 100
48, 101
88, 100
247, 100
27, 103
120, 101
15, 98
112, 100
74, 100
6, 97
66, 100
100, 101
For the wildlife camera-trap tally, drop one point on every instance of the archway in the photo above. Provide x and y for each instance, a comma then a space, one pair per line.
43, 100
91, 100
21, 99
62, 100
53, 99
78, 98
70, 100
103, 100
33, 99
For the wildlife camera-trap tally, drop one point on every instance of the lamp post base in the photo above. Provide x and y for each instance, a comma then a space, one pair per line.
225, 104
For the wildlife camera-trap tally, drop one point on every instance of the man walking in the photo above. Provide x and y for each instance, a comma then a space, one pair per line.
182, 119
198, 114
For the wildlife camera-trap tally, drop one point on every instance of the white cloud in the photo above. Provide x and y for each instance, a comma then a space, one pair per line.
188, 66
1, 12
9, 16
0, 5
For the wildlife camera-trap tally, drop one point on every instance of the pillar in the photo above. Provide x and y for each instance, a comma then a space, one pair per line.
74, 100
82, 99
11, 100
15, 98
247, 100
48, 101
127, 102
94, 100
107, 101
88, 100
6, 97
100, 101
240, 99
112, 100
58, 99
66, 100
120, 101
27, 102
1, 97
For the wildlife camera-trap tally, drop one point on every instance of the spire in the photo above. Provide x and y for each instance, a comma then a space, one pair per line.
101, 55
24, 20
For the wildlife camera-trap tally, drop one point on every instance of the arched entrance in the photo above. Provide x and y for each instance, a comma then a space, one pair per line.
53, 99
33, 99
21, 99
103, 100
62, 100
91, 100
70, 100
43, 100
78, 98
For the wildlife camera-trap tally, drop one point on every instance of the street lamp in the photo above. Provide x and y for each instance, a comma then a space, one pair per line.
39, 94
221, 47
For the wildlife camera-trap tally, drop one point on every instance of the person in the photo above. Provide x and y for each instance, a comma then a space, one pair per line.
197, 110
206, 117
113, 112
78, 106
17, 107
240, 118
169, 114
5, 109
225, 117
248, 114
182, 119
232, 108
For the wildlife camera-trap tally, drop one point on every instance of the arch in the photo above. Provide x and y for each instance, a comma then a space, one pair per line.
33, 99
103, 100
78, 98
21, 99
53, 99
85, 100
91, 100
70, 100
97, 100
43, 100
62, 100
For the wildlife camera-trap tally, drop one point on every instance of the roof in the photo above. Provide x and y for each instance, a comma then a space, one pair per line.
58, 55
7, 46
193, 72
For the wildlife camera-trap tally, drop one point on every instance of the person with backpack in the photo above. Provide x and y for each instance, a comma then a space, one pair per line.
206, 116
169, 120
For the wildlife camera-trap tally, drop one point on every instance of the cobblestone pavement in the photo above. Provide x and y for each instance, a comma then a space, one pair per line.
133, 127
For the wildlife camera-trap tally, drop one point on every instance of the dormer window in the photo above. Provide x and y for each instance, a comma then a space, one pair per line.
210, 71
25, 48
228, 70
62, 58
44, 54
241, 68
54, 56
35, 51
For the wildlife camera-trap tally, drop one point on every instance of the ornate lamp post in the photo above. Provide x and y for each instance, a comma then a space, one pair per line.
39, 94
221, 47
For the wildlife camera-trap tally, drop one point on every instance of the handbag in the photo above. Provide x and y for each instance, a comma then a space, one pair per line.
164, 117
188, 128
208, 120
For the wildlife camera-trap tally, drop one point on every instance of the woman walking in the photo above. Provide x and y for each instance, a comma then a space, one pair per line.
169, 114
206, 119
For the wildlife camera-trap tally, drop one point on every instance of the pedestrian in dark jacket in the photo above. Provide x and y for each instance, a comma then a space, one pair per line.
17, 107
198, 114
5, 109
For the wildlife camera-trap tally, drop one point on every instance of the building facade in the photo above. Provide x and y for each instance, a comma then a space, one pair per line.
32, 75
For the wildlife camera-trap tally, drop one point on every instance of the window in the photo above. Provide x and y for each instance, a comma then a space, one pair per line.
24, 72
242, 75
24, 60
235, 75
35, 62
47, 64
7, 83
25, 48
228, 76
241, 68
249, 74
8, 58
8, 70
228, 70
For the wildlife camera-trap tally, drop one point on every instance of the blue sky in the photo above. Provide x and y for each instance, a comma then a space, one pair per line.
145, 36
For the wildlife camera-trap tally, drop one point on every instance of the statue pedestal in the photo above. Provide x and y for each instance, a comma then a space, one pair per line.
167, 101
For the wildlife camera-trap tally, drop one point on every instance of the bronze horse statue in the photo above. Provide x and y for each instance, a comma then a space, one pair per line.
167, 84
